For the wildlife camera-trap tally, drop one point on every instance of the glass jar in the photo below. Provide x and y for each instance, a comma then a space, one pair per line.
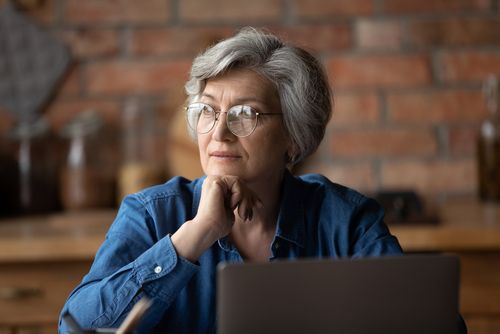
85, 184
488, 149
142, 148
36, 157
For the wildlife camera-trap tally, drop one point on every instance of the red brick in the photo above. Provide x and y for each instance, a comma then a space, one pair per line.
472, 65
319, 37
191, 40
355, 109
170, 107
462, 140
431, 177
43, 12
373, 34
435, 6
63, 110
435, 106
71, 83
133, 77
314, 9
357, 175
379, 70
157, 41
455, 32
89, 43
382, 142
230, 10
116, 11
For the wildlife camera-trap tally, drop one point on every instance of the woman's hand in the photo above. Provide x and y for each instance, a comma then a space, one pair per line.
220, 197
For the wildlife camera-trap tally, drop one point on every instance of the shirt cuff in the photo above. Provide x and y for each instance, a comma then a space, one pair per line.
161, 272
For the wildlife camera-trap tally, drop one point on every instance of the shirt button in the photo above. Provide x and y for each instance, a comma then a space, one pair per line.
158, 269
276, 245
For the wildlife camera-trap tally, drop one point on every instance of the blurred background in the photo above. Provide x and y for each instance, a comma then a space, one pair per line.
407, 77
91, 97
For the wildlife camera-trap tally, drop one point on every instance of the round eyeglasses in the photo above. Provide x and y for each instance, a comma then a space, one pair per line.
241, 120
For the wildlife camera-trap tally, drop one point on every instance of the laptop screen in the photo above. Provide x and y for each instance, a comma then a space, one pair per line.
403, 294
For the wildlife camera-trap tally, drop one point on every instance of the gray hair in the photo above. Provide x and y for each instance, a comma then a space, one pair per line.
299, 78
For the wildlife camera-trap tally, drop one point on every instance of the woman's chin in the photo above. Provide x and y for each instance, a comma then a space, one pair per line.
224, 170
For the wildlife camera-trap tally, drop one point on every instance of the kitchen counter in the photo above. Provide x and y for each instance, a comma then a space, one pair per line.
464, 225
54, 237
43, 258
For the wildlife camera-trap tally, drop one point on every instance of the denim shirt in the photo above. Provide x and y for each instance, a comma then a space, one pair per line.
317, 218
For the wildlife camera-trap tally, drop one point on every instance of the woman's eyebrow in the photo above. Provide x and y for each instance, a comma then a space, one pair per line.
207, 95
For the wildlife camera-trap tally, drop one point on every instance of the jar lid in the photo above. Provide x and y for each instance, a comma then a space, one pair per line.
31, 128
85, 123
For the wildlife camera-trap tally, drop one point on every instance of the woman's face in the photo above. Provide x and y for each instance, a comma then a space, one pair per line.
257, 157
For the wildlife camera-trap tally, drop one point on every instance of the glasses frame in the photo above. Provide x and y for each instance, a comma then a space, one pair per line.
217, 116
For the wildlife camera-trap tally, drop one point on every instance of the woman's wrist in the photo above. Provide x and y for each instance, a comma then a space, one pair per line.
190, 241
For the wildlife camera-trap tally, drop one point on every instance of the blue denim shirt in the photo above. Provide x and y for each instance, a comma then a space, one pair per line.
317, 218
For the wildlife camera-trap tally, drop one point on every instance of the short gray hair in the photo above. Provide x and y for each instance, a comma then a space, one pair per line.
299, 78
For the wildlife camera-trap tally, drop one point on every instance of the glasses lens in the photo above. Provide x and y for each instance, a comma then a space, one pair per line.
201, 117
241, 120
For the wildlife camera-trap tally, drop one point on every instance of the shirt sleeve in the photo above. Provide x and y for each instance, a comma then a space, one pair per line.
130, 264
371, 235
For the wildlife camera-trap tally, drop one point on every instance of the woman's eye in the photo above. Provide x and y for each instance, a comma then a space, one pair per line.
245, 112
206, 111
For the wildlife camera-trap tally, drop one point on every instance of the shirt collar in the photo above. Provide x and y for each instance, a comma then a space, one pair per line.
291, 217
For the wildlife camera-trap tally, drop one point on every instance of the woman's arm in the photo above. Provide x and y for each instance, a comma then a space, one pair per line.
129, 264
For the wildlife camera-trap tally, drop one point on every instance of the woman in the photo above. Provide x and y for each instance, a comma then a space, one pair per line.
255, 106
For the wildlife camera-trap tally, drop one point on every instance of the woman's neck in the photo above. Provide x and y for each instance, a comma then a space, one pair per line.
253, 238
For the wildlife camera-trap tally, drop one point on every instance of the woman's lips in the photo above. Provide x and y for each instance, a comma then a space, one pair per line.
224, 155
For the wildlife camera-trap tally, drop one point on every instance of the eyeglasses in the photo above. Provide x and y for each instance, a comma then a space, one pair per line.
241, 120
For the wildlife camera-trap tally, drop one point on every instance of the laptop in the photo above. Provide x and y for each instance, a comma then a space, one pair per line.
398, 294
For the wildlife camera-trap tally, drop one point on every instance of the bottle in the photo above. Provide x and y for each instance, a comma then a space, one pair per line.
489, 144
143, 147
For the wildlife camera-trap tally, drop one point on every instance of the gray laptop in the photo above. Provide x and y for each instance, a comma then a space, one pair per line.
403, 294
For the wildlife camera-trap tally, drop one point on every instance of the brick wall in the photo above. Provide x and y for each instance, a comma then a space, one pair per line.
406, 75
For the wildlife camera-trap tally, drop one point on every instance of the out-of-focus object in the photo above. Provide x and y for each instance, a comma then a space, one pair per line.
488, 150
404, 207
28, 4
84, 181
37, 167
143, 148
9, 174
184, 158
32, 63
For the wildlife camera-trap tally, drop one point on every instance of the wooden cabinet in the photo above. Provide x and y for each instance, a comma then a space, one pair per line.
41, 260
31, 294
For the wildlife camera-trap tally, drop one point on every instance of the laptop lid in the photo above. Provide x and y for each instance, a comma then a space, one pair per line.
403, 294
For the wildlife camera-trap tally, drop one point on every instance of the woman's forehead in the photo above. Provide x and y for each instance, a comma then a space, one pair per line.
241, 84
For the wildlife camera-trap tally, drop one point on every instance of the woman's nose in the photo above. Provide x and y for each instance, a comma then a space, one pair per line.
221, 132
